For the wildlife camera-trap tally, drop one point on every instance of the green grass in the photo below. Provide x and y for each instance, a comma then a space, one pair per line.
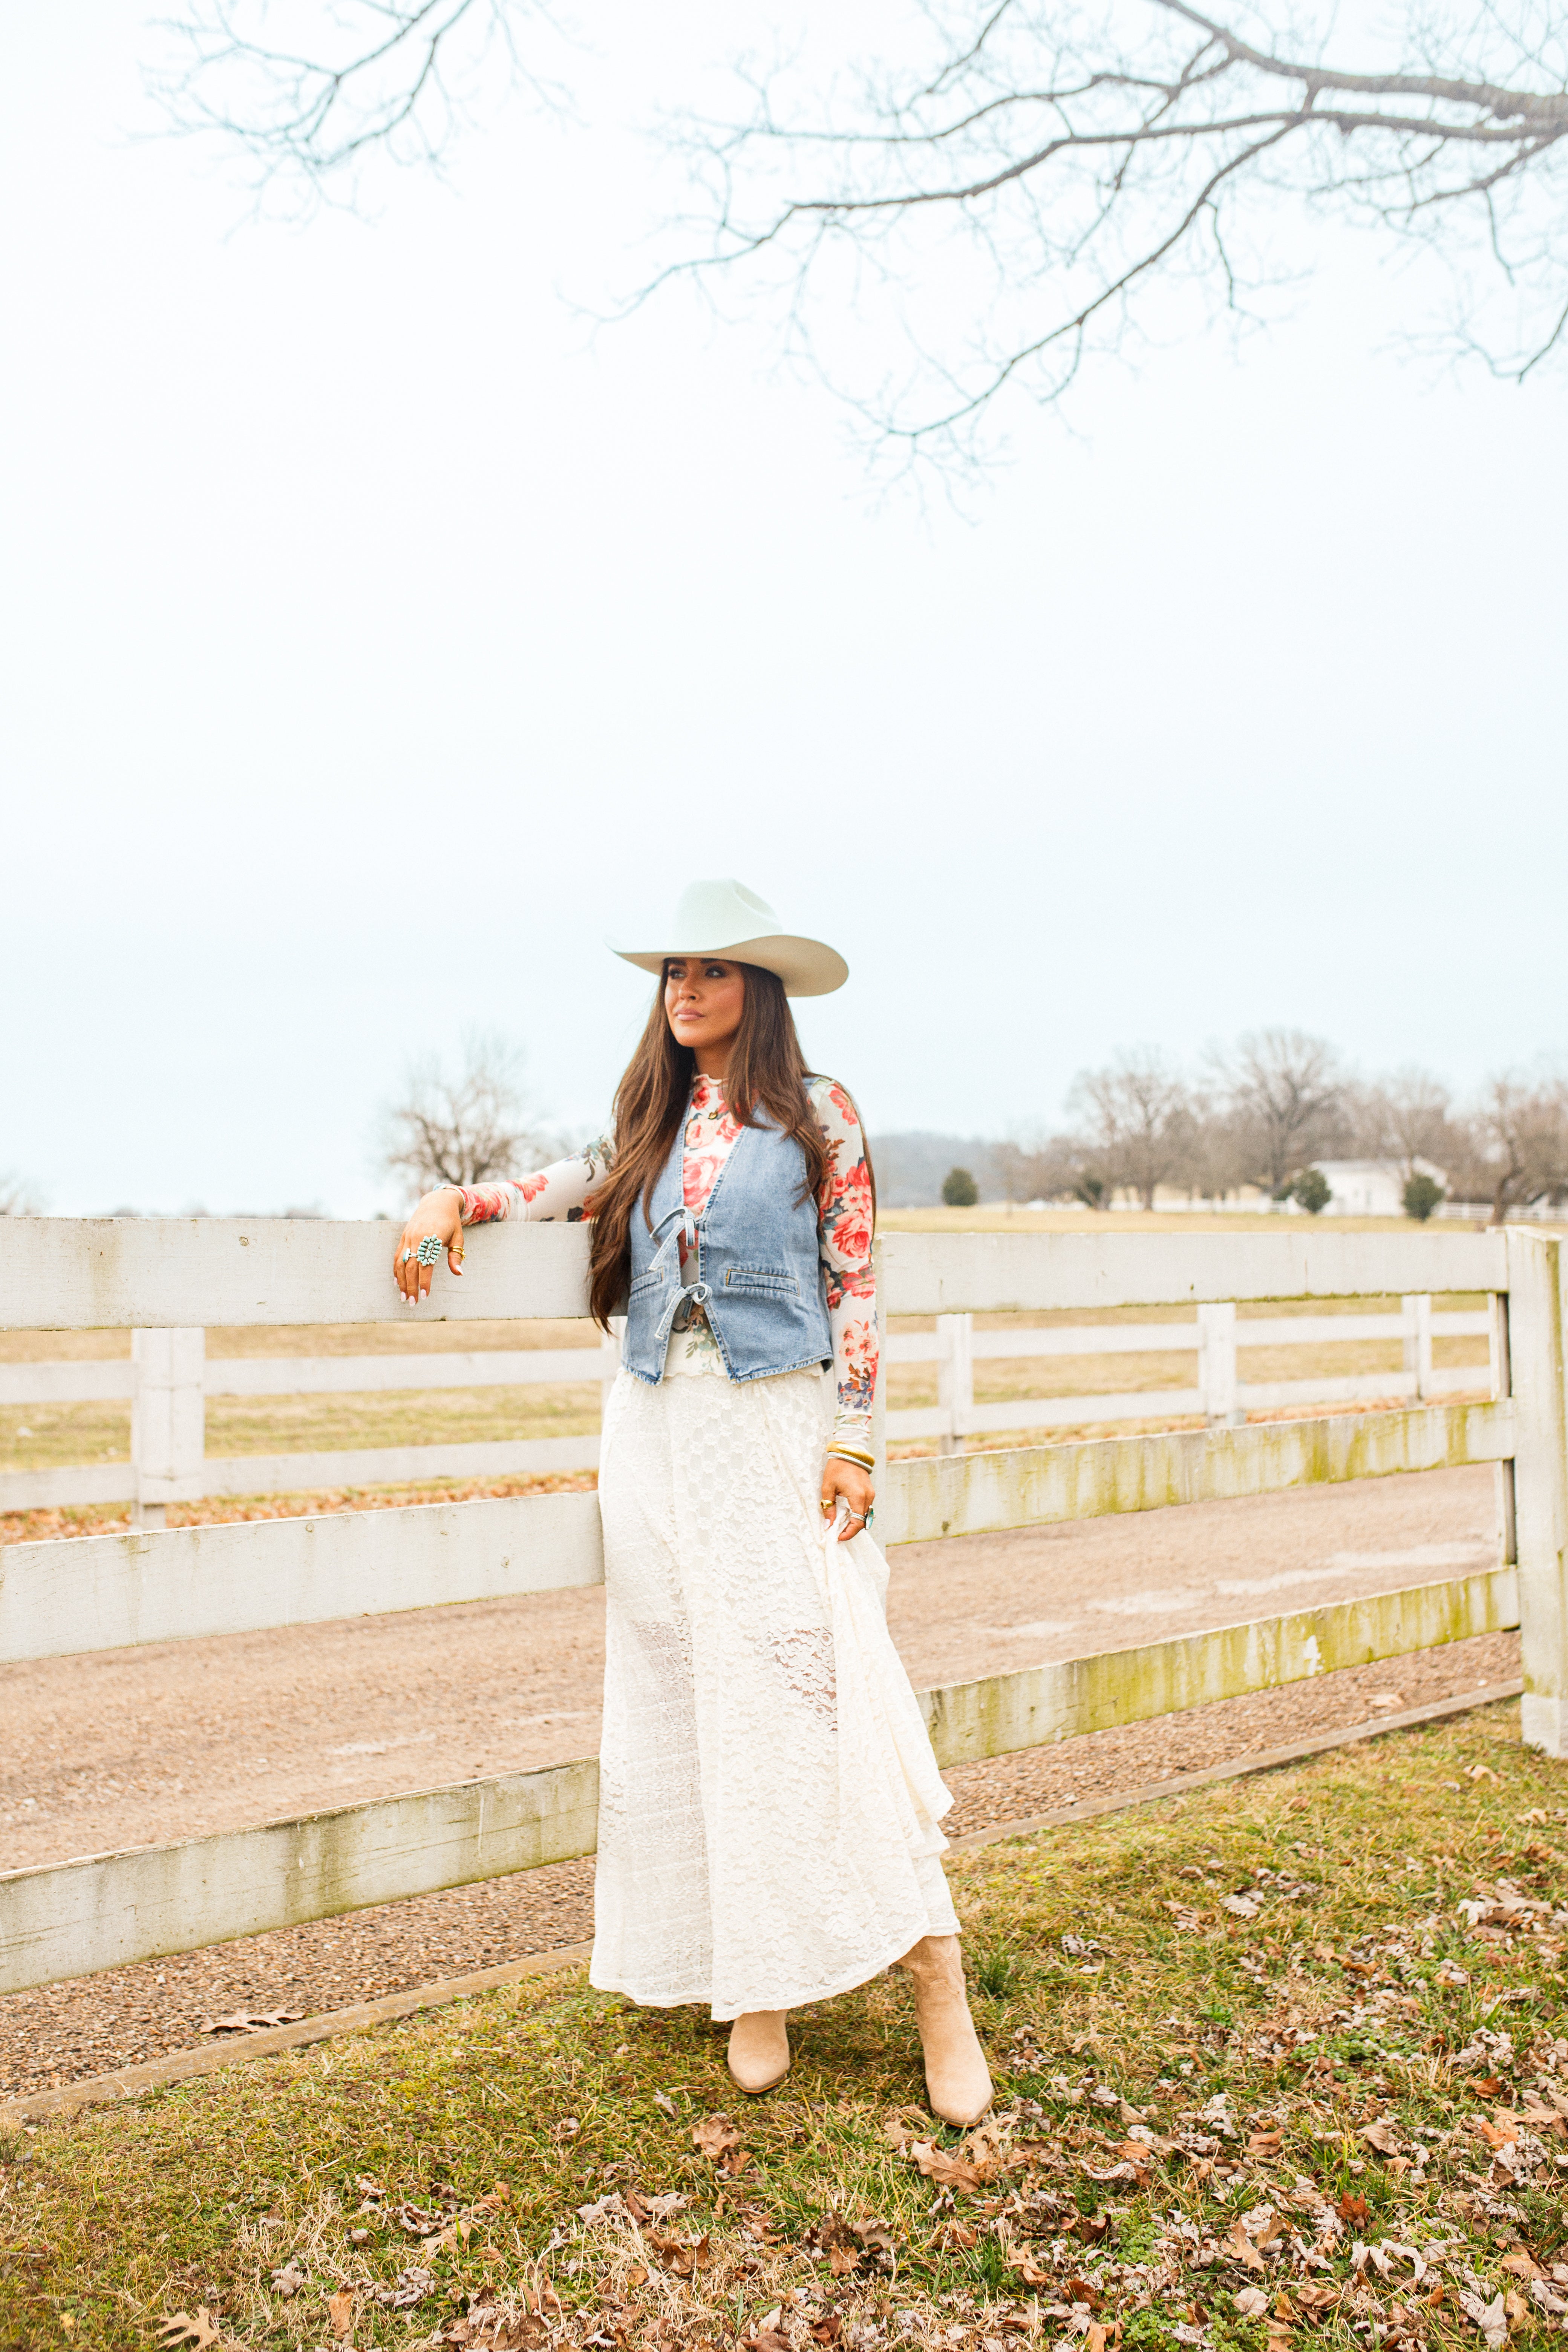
1111, 1983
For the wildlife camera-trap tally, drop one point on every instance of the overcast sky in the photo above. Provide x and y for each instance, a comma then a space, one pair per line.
375, 639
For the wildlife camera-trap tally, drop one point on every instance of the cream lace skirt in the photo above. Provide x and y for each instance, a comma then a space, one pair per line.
769, 1801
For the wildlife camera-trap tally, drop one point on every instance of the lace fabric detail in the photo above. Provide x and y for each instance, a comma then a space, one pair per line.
768, 1803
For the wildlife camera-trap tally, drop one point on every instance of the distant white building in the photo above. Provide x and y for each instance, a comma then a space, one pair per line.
1371, 1188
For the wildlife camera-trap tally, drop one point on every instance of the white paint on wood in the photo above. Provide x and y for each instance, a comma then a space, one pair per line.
1538, 1322
80, 1274
949, 1273
1164, 1338
113, 1910
168, 1418
1416, 1315
304, 1474
86, 1383
971, 1494
109, 1593
954, 1378
499, 1367
1066, 1700
1216, 1363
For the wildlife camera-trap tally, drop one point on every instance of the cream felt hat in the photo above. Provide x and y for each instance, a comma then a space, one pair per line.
725, 919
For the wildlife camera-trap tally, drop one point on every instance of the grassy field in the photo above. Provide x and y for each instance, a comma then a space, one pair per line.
1279, 2063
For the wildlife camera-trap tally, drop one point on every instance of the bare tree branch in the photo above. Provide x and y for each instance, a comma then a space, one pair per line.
1029, 193
471, 1128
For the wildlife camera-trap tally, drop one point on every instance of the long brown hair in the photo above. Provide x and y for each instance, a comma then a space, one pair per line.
767, 1072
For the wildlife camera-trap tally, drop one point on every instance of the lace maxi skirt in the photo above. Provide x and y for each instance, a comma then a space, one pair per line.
769, 1801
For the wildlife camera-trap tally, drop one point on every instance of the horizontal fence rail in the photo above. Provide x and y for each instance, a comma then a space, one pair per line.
104, 1593
979, 1493
186, 1584
160, 1474
113, 1910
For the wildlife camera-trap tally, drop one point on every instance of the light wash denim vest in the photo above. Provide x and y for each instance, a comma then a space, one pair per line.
751, 1262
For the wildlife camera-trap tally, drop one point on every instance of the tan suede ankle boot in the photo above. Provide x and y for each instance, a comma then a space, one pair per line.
759, 2049
958, 2080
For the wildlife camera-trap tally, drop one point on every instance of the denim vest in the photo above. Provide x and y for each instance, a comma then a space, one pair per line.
752, 1262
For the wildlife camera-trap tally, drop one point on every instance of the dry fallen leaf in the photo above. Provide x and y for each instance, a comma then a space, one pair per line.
682, 2260
1239, 2245
1265, 2143
713, 2134
288, 2280
181, 2328
1352, 2209
1383, 2136
342, 2308
948, 2171
1251, 2302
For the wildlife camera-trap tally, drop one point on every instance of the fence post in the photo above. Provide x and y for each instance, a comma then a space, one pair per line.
1536, 1328
168, 1419
954, 1377
1416, 1311
1217, 1365
879, 1394
1499, 1367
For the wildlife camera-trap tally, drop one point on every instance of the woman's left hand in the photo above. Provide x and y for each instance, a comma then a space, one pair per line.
847, 1483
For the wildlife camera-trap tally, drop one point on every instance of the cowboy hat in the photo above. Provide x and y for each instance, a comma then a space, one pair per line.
725, 919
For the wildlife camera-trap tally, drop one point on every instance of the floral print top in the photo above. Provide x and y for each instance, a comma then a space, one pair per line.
566, 1189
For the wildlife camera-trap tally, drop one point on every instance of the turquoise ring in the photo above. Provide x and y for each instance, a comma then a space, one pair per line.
429, 1250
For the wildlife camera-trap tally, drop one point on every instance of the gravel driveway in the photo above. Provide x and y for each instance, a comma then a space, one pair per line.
151, 1744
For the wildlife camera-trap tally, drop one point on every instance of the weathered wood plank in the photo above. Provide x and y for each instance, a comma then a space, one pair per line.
233, 1376
970, 1493
74, 1274
952, 1274
1061, 1701
113, 1910
110, 1592
300, 1473
1536, 1338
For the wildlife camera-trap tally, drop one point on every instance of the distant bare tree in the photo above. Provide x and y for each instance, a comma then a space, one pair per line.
1286, 1094
17, 1198
1520, 1134
1056, 1168
470, 1128
1407, 1116
1138, 1118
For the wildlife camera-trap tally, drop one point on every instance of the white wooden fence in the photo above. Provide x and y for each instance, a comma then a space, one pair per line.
169, 1377
108, 1591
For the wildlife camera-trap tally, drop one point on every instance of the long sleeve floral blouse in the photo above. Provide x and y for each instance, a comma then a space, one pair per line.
566, 1189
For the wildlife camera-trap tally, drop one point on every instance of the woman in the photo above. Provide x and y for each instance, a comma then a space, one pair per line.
769, 1801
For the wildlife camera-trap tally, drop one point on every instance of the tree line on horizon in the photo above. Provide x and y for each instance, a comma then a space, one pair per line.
1258, 1114
1263, 1112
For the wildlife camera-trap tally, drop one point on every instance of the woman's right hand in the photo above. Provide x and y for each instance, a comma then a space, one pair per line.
441, 1214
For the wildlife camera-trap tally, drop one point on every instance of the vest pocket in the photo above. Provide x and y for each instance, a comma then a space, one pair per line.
762, 1282
642, 1284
